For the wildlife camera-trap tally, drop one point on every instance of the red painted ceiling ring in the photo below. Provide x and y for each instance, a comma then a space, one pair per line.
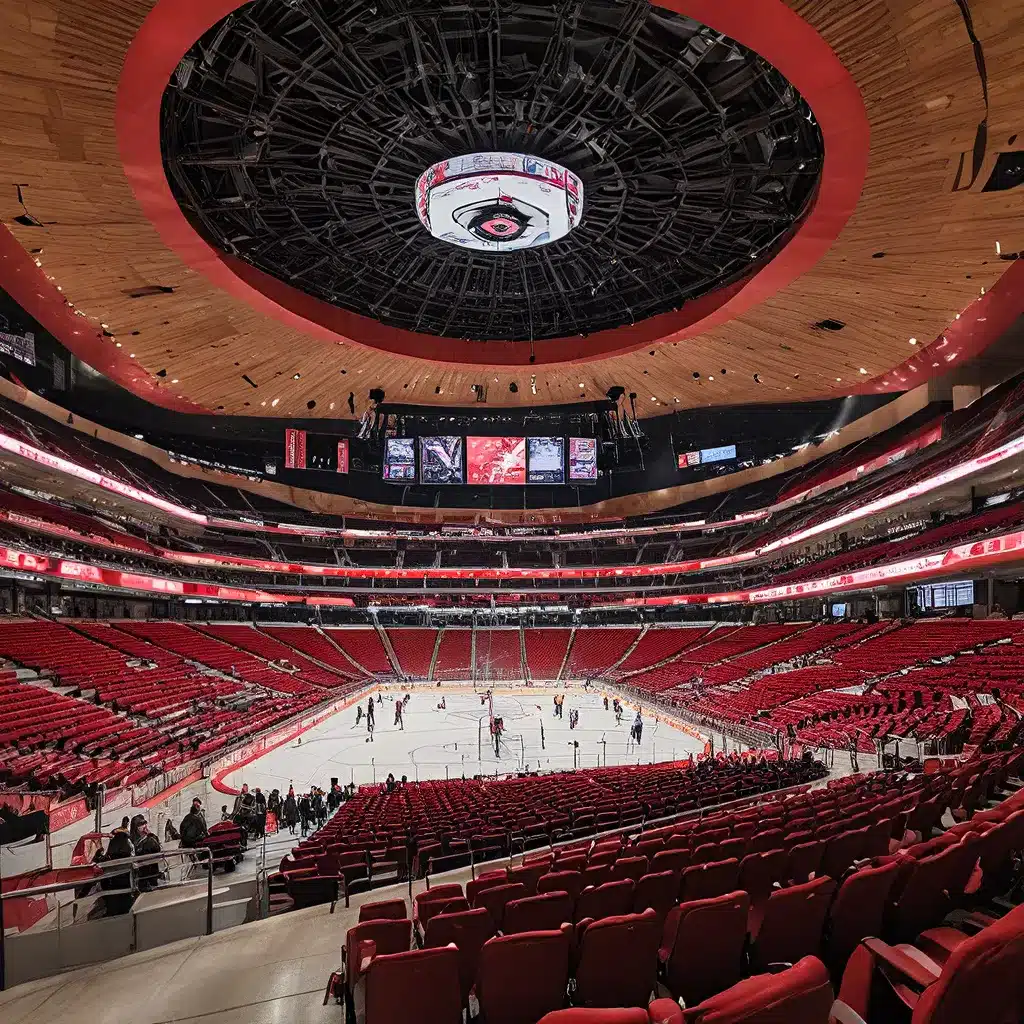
769, 28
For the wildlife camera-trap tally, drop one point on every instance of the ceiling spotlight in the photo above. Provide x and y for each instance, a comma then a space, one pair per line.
296, 376
913, 341
862, 370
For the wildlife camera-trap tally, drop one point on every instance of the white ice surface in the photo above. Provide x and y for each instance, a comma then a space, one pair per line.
456, 741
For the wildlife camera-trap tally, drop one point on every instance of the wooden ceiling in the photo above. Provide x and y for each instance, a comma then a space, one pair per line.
919, 249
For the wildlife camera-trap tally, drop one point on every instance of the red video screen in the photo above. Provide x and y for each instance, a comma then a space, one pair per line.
496, 460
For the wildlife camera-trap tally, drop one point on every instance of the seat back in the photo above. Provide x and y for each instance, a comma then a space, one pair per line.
496, 899
386, 935
702, 946
923, 900
618, 960
561, 881
385, 910
800, 995
396, 983
706, 881
841, 852
656, 891
760, 871
982, 980
546, 912
671, 860
792, 924
609, 900
857, 912
468, 930
522, 977
529, 875
805, 859
629, 867
438, 893
491, 880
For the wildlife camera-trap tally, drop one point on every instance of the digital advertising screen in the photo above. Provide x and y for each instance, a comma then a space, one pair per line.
583, 459
722, 454
441, 460
400, 459
545, 460
496, 460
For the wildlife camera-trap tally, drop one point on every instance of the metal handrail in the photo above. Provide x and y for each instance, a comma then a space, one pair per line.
119, 865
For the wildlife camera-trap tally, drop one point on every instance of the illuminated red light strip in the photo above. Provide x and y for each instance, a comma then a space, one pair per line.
966, 557
68, 569
62, 465
1005, 451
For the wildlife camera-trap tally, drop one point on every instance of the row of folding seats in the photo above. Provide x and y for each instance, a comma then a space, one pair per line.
446, 818
703, 950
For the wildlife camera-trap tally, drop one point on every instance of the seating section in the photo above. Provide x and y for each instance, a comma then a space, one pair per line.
118, 702
255, 641
442, 820
583, 924
454, 655
545, 651
946, 683
658, 645
498, 654
364, 647
595, 650
414, 649
317, 645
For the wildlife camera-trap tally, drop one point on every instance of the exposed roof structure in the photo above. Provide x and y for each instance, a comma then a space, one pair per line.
783, 201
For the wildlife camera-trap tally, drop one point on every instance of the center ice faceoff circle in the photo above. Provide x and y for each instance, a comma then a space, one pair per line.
498, 202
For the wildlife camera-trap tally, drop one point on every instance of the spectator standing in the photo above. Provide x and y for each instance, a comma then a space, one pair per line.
291, 811
193, 828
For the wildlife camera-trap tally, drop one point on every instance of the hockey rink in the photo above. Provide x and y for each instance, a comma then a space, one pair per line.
456, 742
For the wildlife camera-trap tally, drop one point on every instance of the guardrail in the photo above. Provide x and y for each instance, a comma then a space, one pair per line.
117, 870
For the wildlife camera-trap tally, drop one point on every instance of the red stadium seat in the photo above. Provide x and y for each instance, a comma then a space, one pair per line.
790, 924
546, 912
396, 984
522, 977
702, 946
613, 899
495, 900
468, 930
983, 980
801, 995
618, 960
385, 910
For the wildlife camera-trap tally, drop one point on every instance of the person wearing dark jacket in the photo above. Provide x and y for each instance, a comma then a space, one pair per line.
145, 844
274, 803
259, 813
119, 847
290, 809
319, 807
305, 812
193, 828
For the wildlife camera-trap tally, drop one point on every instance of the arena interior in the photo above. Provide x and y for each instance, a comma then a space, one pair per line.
508, 511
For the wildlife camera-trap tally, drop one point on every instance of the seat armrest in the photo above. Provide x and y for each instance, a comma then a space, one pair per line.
913, 970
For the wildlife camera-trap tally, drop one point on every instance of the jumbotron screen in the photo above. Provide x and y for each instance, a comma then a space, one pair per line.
400, 459
583, 459
545, 460
496, 460
441, 460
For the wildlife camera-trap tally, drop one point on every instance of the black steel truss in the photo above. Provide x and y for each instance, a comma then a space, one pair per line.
294, 132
